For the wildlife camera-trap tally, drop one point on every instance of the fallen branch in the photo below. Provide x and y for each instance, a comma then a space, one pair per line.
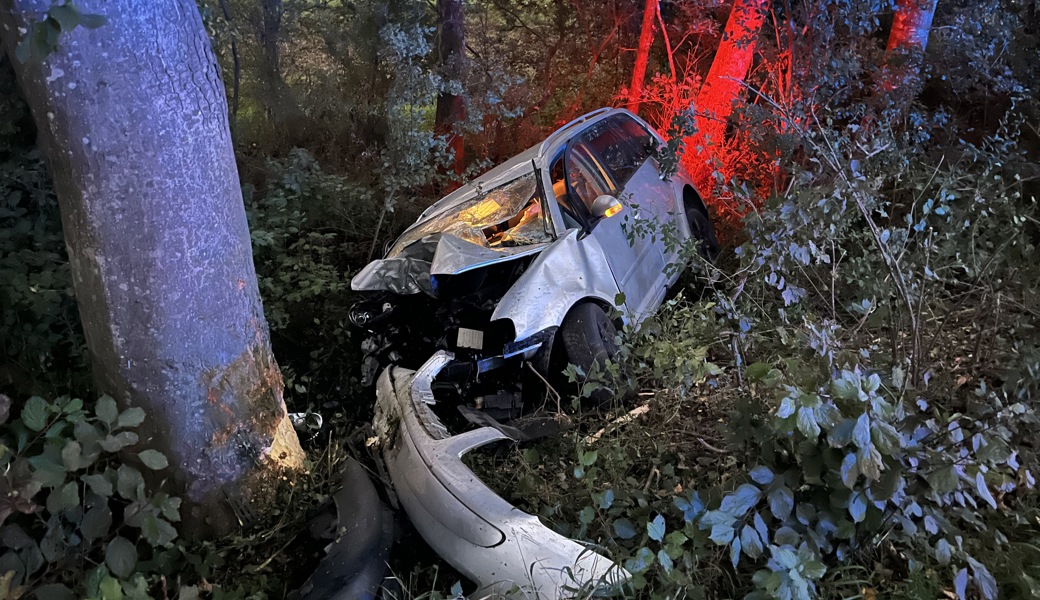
624, 419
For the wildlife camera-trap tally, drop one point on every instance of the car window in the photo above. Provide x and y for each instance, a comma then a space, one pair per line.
587, 177
573, 211
623, 144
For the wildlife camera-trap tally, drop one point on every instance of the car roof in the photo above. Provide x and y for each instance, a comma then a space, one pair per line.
511, 168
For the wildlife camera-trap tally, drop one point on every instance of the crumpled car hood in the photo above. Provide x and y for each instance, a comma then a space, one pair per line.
438, 254
470, 229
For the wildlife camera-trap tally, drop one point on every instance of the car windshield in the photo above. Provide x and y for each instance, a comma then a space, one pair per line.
509, 215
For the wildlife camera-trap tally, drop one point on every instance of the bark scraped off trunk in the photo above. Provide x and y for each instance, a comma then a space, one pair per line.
723, 84
134, 123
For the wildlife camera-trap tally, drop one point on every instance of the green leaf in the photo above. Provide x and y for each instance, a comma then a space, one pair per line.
757, 371
53, 591
94, 579
983, 490
72, 406
107, 410
849, 470
131, 417
665, 560
943, 551
121, 556
171, 509
844, 389
66, 16
761, 475
99, 484
741, 500
96, 523
807, 423
157, 531
110, 589
751, 542
861, 431
722, 534
641, 561
137, 588
155, 460
586, 515
71, 455
624, 529
943, 480
781, 502
655, 529
34, 415
115, 443
858, 507
63, 498
129, 482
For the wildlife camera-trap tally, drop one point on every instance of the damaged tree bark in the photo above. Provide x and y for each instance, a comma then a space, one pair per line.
134, 123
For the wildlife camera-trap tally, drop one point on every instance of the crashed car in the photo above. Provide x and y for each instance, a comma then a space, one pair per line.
473, 309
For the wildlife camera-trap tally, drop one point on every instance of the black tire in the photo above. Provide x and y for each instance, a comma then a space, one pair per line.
702, 230
588, 339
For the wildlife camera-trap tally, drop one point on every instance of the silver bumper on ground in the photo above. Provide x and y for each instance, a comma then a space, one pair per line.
505, 550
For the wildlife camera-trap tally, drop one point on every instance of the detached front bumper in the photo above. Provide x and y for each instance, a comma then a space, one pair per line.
505, 550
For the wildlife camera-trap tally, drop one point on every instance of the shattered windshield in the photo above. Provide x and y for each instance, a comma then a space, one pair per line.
509, 215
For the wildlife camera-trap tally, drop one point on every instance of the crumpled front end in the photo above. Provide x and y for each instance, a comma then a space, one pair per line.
508, 552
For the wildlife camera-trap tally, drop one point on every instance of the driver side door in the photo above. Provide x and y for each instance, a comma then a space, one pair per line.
630, 256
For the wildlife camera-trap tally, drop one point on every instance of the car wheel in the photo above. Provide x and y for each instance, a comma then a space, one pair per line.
702, 230
588, 339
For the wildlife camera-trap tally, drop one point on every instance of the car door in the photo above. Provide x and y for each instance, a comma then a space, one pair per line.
632, 258
624, 147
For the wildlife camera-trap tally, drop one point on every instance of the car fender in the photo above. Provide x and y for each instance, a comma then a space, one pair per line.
572, 269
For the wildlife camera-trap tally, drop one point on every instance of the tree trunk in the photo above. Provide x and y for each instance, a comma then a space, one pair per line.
911, 25
723, 84
451, 108
236, 67
906, 44
646, 39
133, 120
281, 104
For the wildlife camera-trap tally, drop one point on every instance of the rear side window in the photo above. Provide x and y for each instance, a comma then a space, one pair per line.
623, 144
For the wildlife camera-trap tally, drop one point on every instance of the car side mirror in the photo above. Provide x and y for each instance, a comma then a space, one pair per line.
605, 206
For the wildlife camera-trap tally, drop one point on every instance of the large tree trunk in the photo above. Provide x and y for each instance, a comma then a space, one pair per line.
906, 44
236, 66
451, 108
281, 104
646, 39
721, 89
723, 84
134, 124
911, 25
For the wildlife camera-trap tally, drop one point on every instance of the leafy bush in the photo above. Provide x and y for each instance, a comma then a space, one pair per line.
77, 517
41, 343
309, 229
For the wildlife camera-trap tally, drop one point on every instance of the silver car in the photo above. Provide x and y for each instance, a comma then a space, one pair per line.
474, 309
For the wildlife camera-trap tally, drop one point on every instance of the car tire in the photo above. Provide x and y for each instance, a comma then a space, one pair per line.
588, 339
702, 229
